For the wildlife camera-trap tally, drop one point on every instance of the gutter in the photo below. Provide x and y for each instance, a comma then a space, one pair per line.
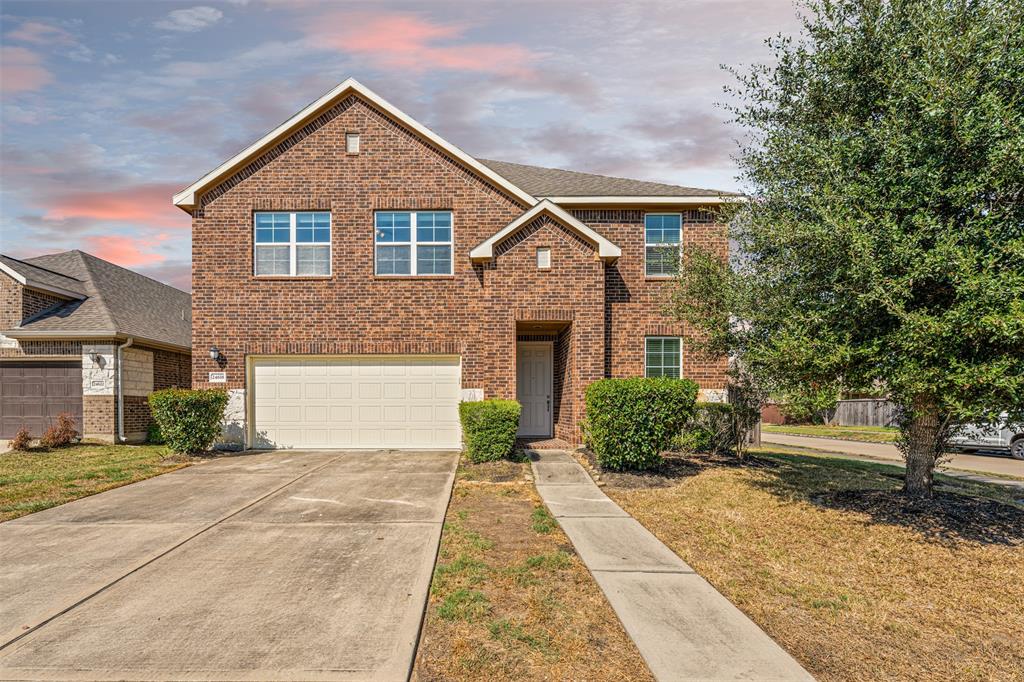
120, 389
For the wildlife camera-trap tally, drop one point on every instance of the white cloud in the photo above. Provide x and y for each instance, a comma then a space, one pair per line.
190, 20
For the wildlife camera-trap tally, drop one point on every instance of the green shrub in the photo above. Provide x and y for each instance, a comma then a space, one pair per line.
189, 420
489, 428
712, 429
153, 435
630, 421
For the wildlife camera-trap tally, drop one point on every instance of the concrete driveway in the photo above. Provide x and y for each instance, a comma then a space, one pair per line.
270, 566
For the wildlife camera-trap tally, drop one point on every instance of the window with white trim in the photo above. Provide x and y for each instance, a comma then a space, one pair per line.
410, 243
662, 237
292, 244
664, 356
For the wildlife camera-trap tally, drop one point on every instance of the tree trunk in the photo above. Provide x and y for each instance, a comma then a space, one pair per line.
923, 441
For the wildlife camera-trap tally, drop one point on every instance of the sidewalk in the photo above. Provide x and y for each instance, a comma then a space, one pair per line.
682, 626
971, 467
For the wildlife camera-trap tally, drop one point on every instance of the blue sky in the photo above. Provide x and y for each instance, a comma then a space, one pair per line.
110, 107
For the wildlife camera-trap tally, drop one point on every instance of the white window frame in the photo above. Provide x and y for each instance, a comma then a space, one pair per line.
293, 245
678, 245
412, 244
648, 339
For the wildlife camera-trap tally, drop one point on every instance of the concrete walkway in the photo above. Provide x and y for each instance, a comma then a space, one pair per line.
971, 467
271, 566
684, 628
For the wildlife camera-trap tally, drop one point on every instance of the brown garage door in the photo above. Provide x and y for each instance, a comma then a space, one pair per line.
34, 392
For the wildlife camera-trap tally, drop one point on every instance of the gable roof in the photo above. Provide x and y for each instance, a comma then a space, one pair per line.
186, 198
605, 249
564, 186
114, 302
35, 277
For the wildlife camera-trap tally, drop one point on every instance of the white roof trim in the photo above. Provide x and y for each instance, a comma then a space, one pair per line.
35, 284
591, 200
605, 249
186, 198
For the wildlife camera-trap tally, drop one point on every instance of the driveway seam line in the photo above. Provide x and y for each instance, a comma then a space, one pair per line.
138, 568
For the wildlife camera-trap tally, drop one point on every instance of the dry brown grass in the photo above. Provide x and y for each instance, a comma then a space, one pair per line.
843, 573
510, 599
37, 479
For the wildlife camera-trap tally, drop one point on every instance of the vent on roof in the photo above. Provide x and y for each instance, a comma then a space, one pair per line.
352, 143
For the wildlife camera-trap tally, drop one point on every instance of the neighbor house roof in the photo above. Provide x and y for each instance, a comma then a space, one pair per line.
564, 186
112, 302
35, 277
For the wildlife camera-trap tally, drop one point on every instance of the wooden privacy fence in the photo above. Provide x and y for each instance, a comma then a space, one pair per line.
864, 412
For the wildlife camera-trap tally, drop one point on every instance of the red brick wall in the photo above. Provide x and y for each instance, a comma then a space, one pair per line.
171, 370
472, 313
34, 302
634, 303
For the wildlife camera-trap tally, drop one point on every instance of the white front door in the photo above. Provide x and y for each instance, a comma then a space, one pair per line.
534, 382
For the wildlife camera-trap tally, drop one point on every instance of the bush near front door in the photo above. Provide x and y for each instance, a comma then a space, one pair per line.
489, 428
630, 421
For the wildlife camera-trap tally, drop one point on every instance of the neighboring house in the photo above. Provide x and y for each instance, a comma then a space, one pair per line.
356, 276
84, 336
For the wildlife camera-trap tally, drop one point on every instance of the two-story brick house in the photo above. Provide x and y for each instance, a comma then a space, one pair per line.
355, 276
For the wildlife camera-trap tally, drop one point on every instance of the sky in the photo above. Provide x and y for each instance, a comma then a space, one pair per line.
108, 108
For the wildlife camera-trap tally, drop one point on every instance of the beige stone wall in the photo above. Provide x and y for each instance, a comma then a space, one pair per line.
137, 372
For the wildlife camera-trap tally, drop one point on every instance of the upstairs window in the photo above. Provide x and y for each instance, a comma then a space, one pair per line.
292, 244
662, 237
664, 356
413, 243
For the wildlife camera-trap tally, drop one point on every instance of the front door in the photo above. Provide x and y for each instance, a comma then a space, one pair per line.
533, 387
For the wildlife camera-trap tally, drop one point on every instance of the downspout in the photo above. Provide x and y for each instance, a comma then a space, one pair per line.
120, 389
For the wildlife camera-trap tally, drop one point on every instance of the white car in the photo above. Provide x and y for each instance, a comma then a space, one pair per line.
991, 437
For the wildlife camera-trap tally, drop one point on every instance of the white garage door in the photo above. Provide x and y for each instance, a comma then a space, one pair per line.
383, 401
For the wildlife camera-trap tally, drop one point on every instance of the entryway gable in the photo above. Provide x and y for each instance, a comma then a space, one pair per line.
605, 249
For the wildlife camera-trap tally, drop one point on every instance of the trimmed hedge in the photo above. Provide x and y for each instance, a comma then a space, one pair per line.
712, 429
630, 421
489, 428
189, 419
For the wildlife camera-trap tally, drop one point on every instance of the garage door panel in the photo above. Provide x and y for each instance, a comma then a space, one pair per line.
380, 402
33, 393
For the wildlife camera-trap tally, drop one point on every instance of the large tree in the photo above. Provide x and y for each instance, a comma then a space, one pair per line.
883, 240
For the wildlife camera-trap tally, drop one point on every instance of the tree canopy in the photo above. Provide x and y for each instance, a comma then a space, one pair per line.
883, 240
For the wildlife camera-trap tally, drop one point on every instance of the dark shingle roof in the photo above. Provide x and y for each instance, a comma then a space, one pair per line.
117, 301
42, 277
553, 182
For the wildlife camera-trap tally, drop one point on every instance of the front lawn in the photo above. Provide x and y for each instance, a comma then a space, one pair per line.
510, 600
38, 479
867, 434
840, 571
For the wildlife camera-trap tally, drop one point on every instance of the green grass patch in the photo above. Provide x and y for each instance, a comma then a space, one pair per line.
464, 604
40, 478
504, 630
865, 434
542, 521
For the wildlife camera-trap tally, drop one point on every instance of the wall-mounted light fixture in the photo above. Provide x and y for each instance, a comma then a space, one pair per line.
95, 357
214, 353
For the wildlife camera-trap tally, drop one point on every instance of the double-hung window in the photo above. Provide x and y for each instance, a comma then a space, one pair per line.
664, 356
292, 244
662, 236
413, 243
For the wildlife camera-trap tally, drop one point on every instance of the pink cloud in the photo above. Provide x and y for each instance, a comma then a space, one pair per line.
125, 251
38, 33
22, 70
148, 204
407, 41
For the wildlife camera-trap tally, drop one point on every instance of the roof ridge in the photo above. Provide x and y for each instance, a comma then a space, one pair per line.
93, 290
40, 267
133, 272
576, 172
